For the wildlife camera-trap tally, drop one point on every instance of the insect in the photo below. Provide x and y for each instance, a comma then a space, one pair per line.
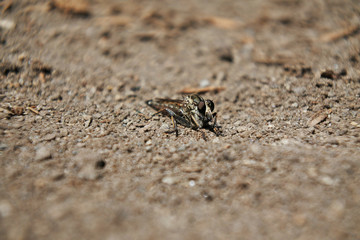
192, 111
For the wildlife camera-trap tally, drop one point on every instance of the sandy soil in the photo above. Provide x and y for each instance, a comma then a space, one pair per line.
80, 159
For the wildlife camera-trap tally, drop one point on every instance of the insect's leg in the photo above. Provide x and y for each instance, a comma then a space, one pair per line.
196, 123
161, 110
174, 125
203, 135
172, 114
215, 126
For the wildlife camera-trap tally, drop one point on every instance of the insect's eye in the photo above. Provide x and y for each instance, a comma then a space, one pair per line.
201, 106
210, 104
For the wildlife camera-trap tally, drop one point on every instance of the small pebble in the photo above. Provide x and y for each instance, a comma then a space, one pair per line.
89, 164
49, 137
328, 180
164, 127
22, 56
148, 148
220, 76
333, 141
43, 153
335, 118
237, 123
87, 117
17, 125
3, 146
299, 90
216, 140
132, 127
170, 180
7, 24
312, 172
181, 148
355, 124
97, 115
241, 129
88, 173
64, 132
226, 117
192, 183
204, 83
208, 197
295, 105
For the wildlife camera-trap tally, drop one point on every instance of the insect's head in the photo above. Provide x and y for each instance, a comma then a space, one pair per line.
205, 107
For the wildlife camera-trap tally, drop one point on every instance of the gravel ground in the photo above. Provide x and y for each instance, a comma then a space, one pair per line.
82, 159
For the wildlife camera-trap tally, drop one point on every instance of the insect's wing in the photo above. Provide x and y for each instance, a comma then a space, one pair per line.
170, 107
167, 100
175, 105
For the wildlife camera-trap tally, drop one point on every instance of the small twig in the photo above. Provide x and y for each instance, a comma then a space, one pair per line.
33, 110
342, 33
220, 22
269, 61
78, 7
6, 5
190, 90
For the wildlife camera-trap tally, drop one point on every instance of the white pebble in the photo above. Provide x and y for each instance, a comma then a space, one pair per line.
43, 153
7, 24
204, 83
192, 183
169, 180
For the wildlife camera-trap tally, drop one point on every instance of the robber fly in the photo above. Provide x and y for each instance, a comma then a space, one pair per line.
193, 112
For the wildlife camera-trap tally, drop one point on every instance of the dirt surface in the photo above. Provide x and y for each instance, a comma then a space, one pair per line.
80, 158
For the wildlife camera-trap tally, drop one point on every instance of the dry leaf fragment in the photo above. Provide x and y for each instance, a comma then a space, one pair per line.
319, 117
190, 90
